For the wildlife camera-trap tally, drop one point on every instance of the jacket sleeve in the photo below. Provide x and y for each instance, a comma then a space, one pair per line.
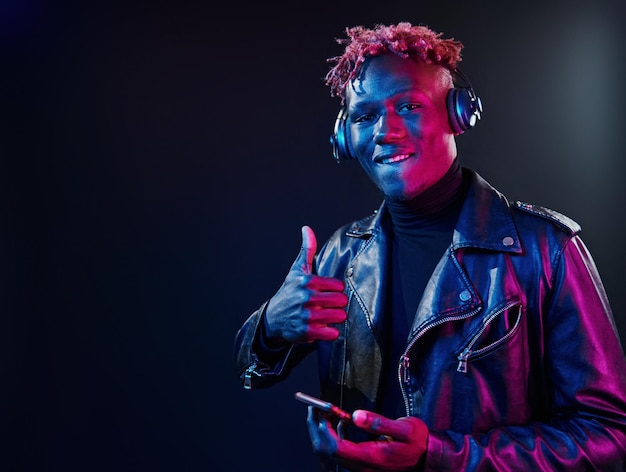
585, 428
257, 365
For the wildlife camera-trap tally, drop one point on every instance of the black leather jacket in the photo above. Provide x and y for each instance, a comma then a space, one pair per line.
513, 360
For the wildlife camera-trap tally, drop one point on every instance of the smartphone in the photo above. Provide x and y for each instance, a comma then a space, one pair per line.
324, 406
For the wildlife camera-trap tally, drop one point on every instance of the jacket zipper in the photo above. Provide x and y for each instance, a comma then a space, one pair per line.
403, 366
247, 376
253, 369
467, 352
462, 367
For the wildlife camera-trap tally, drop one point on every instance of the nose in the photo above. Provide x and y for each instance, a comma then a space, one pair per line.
388, 129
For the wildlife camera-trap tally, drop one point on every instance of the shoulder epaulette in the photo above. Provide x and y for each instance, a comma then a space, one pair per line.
563, 221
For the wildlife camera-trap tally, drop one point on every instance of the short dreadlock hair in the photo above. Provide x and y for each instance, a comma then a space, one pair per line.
402, 39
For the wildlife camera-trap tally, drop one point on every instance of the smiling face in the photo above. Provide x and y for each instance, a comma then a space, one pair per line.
398, 124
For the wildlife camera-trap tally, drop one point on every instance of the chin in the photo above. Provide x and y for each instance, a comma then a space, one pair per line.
399, 196
402, 188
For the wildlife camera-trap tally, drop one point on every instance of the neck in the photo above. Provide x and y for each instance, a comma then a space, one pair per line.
445, 195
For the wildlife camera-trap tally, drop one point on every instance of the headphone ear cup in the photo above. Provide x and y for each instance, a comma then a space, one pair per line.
451, 103
464, 109
339, 139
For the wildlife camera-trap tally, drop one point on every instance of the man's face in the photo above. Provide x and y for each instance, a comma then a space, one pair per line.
398, 124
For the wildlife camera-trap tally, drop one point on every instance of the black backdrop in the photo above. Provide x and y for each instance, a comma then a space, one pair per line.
158, 160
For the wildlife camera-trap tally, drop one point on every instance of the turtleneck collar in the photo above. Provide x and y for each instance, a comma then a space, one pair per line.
441, 200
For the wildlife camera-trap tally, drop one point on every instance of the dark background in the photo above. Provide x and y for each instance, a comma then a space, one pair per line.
158, 160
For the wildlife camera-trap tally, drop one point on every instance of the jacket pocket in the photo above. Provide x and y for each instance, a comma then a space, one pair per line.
496, 329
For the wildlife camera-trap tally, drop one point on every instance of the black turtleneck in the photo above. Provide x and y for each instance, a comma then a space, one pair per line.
422, 231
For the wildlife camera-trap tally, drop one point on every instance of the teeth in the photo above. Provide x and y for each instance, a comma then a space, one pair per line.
398, 158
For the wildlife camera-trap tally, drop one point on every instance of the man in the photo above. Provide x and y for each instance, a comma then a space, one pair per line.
464, 331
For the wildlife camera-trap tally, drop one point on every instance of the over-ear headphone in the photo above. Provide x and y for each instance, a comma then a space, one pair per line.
464, 106
464, 110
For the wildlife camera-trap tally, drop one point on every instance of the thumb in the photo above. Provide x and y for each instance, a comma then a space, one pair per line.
309, 248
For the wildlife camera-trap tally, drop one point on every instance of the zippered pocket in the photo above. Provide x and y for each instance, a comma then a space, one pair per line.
510, 315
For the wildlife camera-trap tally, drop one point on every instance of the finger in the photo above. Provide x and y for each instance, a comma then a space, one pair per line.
325, 284
399, 446
323, 437
326, 300
403, 429
399, 429
304, 261
313, 427
342, 429
320, 324
309, 248
321, 333
326, 316
329, 293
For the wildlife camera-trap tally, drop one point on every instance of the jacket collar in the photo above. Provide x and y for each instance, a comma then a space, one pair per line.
485, 220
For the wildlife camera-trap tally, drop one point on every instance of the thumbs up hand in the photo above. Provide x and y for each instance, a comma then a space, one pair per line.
306, 304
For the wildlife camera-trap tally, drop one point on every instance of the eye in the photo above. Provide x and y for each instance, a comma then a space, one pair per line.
410, 107
364, 118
